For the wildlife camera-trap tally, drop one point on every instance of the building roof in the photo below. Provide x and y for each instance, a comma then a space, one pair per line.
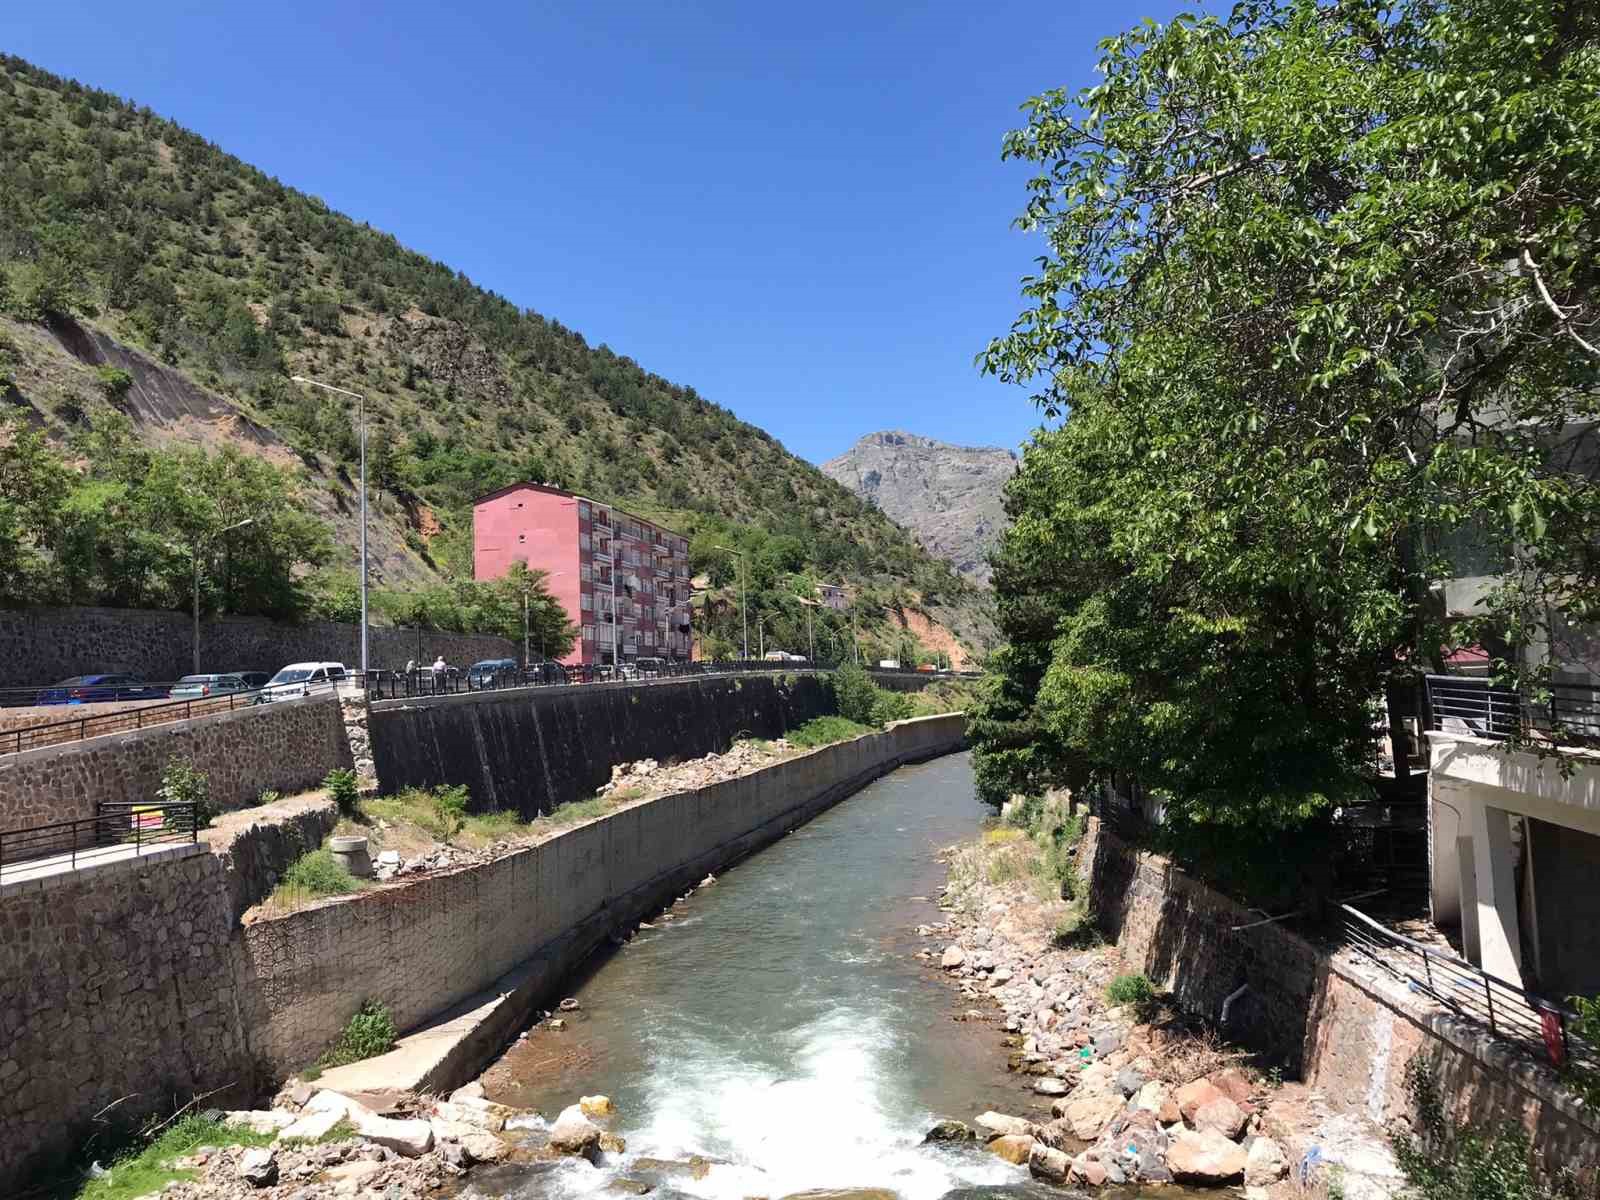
551, 490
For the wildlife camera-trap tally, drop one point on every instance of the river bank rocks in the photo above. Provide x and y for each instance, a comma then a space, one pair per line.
1123, 1111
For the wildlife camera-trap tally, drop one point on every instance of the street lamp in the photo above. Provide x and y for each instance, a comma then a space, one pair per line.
361, 421
744, 610
195, 555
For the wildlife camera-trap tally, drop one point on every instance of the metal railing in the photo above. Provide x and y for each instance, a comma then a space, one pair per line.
144, 715
1506, 1010
1474, 706
112, 829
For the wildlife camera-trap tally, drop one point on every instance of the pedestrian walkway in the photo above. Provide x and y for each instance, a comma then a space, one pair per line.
54, 869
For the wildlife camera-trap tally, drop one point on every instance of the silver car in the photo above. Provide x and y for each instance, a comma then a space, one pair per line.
201, 687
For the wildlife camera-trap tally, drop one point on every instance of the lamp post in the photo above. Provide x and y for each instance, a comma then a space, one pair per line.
744, 609
361, 421
195, 556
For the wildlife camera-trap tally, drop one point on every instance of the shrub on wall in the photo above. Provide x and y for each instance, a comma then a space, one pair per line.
341, 786
183, 783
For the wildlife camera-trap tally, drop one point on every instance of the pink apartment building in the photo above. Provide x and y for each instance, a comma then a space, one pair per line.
623, 581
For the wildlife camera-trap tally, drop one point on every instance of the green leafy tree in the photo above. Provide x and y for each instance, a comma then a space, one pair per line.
1318, 294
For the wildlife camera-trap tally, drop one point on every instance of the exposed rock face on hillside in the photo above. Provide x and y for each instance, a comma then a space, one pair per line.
948, 496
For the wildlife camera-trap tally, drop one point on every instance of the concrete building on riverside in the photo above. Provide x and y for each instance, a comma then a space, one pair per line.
623, 581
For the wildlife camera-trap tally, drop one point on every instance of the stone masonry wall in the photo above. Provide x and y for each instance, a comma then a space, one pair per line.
41, 645
116, 985
421, 947
287, 747
1349, 1029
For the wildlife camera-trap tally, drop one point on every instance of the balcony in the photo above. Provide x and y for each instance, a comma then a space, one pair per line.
1472, 706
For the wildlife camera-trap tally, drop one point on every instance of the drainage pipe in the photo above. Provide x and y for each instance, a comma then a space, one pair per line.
1228, 1003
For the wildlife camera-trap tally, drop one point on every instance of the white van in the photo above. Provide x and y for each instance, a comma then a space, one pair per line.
302, 679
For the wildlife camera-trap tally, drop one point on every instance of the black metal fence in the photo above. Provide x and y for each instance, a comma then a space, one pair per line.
1505, 1010
1474, 706
88, 839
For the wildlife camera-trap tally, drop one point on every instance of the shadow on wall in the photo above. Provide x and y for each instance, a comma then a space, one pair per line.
1187, 937
532, 750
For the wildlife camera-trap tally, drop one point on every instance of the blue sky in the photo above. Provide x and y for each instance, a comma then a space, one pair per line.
797, 209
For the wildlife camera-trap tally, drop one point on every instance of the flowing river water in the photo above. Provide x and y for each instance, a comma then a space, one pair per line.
781, 1026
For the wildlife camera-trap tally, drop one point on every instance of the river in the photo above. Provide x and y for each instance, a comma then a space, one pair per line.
780, 1025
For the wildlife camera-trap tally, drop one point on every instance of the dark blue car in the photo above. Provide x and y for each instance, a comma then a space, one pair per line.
86, 689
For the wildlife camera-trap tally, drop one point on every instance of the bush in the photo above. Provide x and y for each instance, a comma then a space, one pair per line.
854, 694
370, 1032
183, 783
892, 706
1444, 1161
451, 804
1132, 989
341, 785
114, 382
316, 874
824, 731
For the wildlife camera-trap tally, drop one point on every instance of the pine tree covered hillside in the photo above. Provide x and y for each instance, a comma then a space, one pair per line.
130, 246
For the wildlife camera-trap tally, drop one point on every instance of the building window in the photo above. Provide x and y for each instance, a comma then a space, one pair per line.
649, 638
583, 541
586, 572
586, 602
583, 510
588, 633
522, 537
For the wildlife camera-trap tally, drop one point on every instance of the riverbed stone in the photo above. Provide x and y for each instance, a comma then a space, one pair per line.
1090, 1114
1088, 1168
1191, 1097
1151, 1097
1048, 1163
1129, 1080
1013, 1147
953, 958
1000, 1124
1048, 1085
355, 1175
483, 1147
1220, 1116
596, 1106
408, 1138
950, 1131
258, 1167
1265, 1163
1207, 1158
574, 1133
312, 1125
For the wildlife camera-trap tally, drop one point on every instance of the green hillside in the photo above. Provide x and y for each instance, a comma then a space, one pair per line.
121, 229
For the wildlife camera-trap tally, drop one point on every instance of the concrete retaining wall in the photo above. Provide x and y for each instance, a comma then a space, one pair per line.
1345, 1027
287, 747
422, 947
41, 645
532, 749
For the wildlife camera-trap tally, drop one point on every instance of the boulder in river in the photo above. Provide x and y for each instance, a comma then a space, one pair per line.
1050, 1086
950, 1131
596, 1106
1091, 1114
409, 1139
1048, 1163
952, 958
1191, 1097
574, 1133
996, 1124
1013, 1147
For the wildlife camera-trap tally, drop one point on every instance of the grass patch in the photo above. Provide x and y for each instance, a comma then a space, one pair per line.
439, 812
1077, 929
369, 1033
148, 1168
824, 731
495, 826
1133, 989
1000, 835
311, 877
587, 810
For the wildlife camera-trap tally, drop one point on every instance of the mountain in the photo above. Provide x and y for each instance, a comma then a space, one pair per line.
143, 271
949, 497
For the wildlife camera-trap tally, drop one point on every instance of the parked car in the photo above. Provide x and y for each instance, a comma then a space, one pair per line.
198, 687
649, 666
86, 689
548, 672
253, 680
492, 673
301, 679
